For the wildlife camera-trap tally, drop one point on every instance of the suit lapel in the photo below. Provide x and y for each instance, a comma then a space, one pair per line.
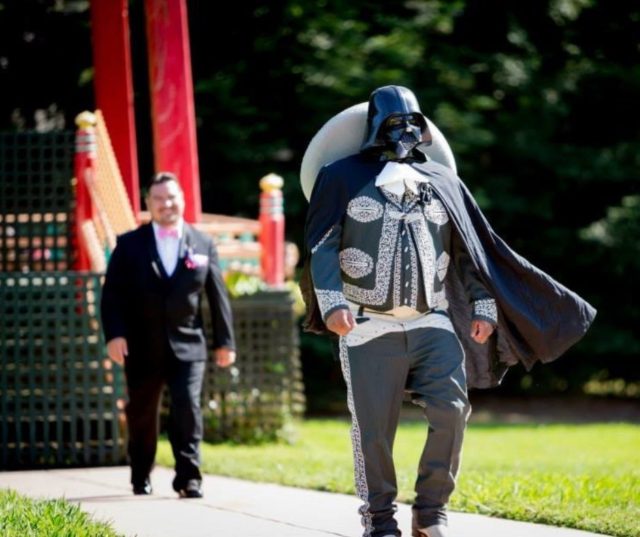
186, 242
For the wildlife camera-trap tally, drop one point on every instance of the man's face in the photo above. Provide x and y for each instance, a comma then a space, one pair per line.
165, 202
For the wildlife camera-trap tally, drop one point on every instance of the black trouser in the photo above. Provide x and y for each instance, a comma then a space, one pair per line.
380, 361
184, 380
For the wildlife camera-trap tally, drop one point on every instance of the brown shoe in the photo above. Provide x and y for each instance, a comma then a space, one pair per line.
437, 530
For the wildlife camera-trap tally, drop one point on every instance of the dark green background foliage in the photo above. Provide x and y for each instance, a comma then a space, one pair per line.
538, 100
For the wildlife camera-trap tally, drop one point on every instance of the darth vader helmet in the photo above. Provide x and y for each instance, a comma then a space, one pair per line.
395, 124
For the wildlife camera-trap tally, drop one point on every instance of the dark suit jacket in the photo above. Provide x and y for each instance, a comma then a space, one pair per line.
148, 308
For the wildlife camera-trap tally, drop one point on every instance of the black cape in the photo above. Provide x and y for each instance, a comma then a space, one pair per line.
538, 318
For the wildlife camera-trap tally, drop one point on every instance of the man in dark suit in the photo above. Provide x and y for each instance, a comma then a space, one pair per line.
151, 315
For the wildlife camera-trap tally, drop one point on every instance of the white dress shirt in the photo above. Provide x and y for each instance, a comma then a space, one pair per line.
168, 247
396, 177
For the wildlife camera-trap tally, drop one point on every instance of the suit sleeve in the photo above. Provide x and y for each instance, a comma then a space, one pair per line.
484, 305
113, 304
216, 291
323, 237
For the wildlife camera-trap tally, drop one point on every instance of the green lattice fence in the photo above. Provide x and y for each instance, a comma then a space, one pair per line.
61, 399
256, 399
36, 201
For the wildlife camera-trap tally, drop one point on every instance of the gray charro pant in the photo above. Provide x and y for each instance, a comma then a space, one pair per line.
381, 359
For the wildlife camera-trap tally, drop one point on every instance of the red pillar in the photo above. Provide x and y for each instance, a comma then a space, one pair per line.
272, 229
114, 86
172, 107
84, 164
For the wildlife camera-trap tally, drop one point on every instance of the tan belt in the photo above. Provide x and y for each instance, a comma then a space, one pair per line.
404, 313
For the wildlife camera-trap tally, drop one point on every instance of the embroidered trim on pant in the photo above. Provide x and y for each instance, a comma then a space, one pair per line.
356, 441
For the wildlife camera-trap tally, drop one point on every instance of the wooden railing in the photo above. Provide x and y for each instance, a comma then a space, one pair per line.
254, 247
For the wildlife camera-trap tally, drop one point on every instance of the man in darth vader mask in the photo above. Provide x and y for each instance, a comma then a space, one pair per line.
395, 125
420, 295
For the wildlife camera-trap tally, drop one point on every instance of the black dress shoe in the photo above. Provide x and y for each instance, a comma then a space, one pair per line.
142, 489
192, 489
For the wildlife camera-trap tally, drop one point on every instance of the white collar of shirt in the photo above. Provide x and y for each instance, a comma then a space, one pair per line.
396, 177
179, 227
168, 247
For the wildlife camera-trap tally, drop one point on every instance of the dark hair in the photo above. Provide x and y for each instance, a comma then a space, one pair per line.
163, 177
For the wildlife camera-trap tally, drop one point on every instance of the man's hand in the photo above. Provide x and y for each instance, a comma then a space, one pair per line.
117, 349
481, 330
224, 357
341, 322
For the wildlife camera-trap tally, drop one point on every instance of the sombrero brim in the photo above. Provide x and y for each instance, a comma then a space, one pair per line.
342, 136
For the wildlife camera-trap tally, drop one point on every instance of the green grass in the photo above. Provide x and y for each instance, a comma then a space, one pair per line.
24, 517
580, 476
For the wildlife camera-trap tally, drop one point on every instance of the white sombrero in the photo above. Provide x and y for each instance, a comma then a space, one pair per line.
342, 136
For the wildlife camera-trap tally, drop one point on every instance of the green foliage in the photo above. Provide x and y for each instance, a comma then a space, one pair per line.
248, 427
580, 476
536, 99
296, 295
568, 475
619, 233
24, 517
240, 284
615, 256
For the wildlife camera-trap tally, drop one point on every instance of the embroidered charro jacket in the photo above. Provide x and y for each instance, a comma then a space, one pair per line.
355, 251
390, 251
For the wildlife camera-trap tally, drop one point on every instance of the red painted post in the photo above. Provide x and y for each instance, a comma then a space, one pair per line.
172, 106
114, 87
84, 164
272, 229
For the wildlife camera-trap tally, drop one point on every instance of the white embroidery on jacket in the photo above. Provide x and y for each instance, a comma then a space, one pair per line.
392, 275
440, 301
322, 240
442, 265
410, 217
384, 264
355, 262
435, 212
397, 273
415, 275
427, 252
365, 209
329, 299
486, 307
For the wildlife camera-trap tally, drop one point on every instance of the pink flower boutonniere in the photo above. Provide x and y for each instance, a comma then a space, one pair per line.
193, 261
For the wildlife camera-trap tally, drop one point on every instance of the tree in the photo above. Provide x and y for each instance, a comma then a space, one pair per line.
534, 97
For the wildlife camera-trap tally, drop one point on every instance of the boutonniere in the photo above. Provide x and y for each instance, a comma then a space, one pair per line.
193, 261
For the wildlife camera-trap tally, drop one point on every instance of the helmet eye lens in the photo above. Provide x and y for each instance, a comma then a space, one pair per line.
401, 121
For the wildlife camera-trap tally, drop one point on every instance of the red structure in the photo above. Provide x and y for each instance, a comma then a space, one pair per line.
173, 111
272, 229
172, 108
172, 114
85, 161
114, 86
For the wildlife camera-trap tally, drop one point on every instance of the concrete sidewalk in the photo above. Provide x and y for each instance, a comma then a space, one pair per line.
233, 508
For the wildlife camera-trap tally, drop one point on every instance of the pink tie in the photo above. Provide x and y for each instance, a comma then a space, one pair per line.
167, 232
